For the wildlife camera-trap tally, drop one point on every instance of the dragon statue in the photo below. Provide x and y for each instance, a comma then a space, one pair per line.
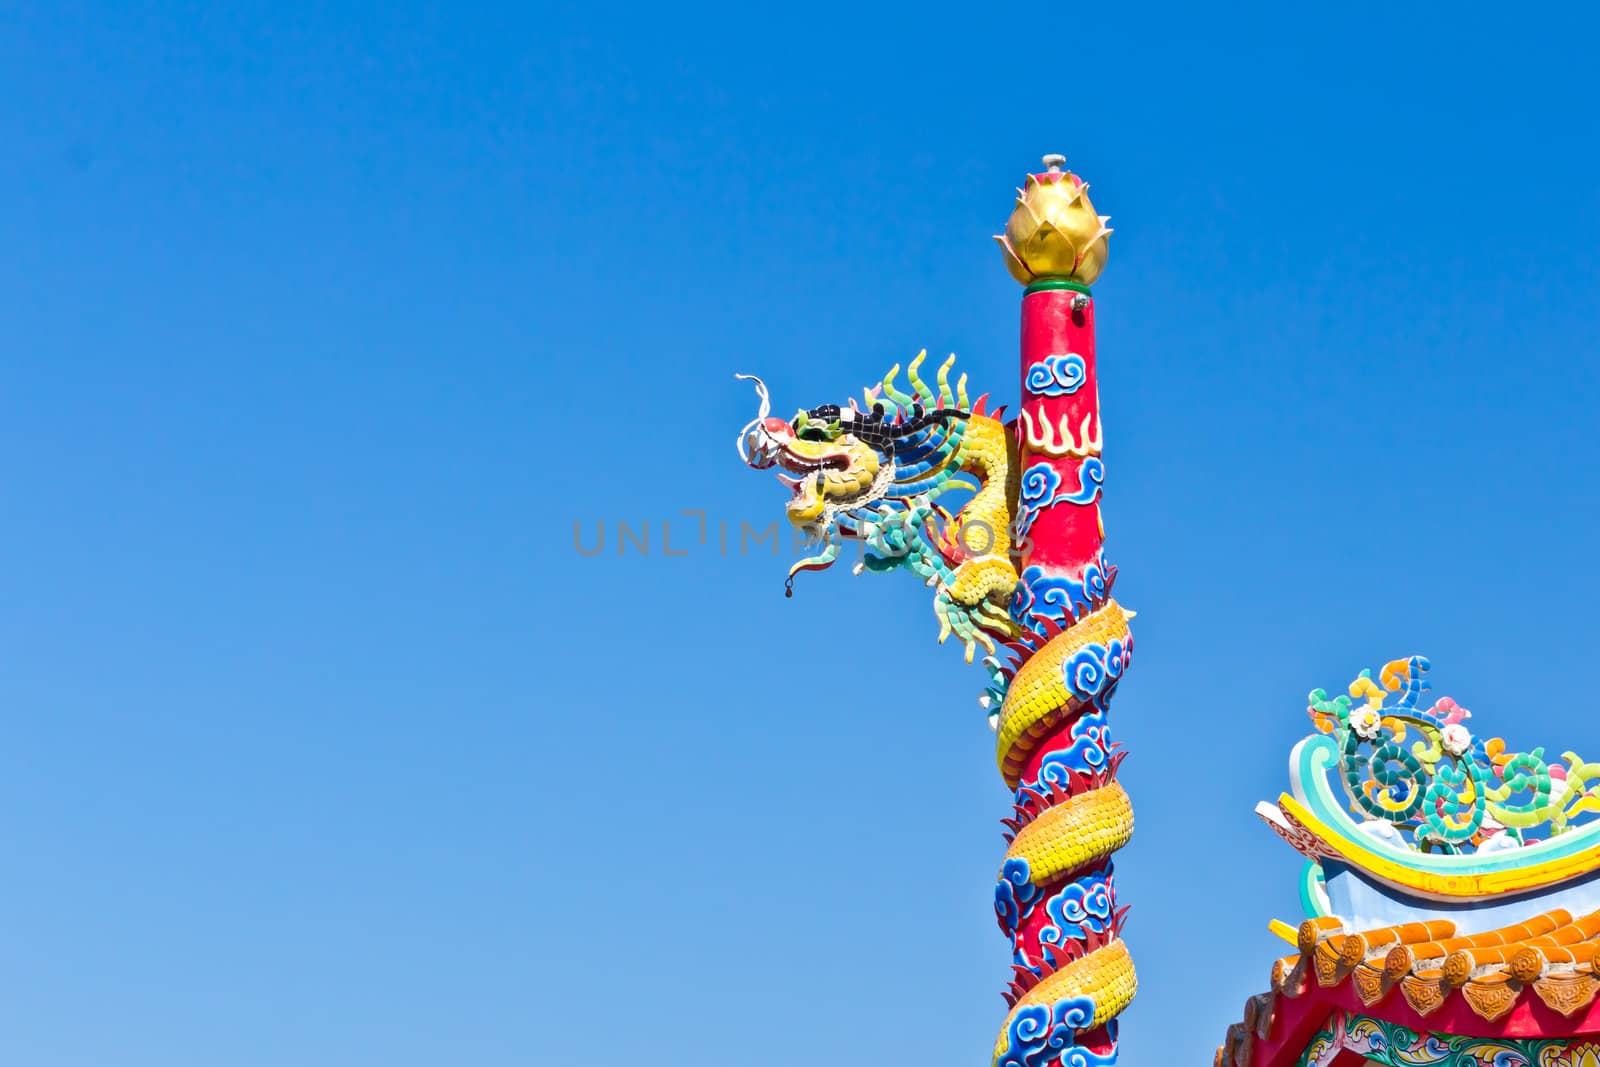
872, 475
1002, 521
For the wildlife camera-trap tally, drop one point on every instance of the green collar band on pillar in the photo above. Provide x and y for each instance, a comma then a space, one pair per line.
1057, 283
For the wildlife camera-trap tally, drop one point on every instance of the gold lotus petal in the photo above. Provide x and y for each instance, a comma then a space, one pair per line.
1078, 218
1031, 211
1023, 219
1018, 269
1093, 261
1049, 251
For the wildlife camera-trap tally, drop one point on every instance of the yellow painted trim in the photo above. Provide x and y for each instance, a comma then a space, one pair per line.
1437, 883
1284, 930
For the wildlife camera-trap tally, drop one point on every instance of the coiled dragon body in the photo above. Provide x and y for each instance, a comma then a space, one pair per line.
1055, 649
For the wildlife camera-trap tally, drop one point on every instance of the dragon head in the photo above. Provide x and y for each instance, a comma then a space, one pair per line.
833, 459
871, 474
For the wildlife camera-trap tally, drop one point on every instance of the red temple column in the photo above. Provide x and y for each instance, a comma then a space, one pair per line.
1072, 974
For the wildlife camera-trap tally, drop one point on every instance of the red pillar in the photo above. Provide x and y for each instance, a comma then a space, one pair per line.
1061, 402
1067, 920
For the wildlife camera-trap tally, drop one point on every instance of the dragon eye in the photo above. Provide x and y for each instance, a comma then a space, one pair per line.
810, 426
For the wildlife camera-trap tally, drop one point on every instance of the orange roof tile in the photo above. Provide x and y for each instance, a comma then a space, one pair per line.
1552, 953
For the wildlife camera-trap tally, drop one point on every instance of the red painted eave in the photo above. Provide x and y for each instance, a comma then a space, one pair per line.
1290, 1023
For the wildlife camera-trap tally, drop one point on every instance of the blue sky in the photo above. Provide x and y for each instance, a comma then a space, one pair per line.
323, 324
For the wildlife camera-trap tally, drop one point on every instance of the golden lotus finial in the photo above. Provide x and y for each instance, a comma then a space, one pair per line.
1054, 233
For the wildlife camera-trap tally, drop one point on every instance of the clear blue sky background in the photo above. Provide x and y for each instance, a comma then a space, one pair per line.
321, 325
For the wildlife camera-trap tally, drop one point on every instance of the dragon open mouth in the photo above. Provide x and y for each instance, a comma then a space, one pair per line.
812, 472
823, 480
803, 465
832, 459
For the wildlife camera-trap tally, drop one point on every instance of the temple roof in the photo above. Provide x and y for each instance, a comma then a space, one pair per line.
1453, 889
1537, 977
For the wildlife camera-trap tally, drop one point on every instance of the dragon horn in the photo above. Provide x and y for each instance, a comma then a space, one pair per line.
761, 391
745, 439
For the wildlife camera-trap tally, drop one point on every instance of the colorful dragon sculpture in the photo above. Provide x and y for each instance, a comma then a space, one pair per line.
884, 474
873, 475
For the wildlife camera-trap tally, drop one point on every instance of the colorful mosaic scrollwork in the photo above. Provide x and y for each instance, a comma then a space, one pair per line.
1082, 908
1043, 598
1045, 1035
1393, 1045
1058, 375
1421, 770
1015, 896
1041, 489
